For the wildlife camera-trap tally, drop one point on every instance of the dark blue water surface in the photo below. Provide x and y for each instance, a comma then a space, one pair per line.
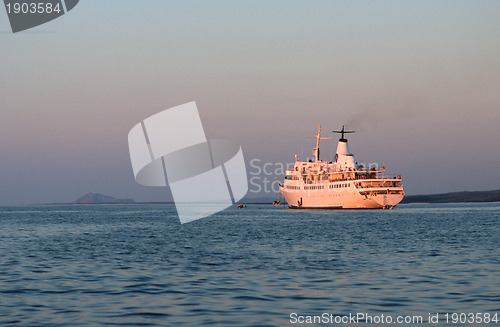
136, 265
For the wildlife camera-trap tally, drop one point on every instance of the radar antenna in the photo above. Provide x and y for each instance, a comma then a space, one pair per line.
342, 132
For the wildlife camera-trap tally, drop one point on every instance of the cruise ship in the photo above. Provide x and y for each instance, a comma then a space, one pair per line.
341, 183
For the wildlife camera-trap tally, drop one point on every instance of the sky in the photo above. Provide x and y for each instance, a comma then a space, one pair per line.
419, 82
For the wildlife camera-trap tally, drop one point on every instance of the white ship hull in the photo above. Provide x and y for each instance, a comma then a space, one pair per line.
349, 197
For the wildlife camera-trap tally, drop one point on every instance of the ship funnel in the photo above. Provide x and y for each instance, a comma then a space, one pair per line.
344, 157
343, 148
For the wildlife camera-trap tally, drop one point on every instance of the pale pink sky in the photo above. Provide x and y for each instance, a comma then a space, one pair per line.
418, 81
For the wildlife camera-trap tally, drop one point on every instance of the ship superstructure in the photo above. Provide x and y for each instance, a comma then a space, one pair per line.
341, 183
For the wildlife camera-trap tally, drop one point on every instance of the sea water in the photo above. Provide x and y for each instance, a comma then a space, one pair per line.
260, 266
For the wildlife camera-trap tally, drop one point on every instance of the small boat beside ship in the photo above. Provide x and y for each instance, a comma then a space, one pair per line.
341, 183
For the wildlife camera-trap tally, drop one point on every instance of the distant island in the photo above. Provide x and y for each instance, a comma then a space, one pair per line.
454, 197
96, 198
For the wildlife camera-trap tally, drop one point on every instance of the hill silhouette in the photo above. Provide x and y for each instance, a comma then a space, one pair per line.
96, 198
479, 196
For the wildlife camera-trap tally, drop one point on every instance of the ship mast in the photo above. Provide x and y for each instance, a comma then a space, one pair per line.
318, 137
